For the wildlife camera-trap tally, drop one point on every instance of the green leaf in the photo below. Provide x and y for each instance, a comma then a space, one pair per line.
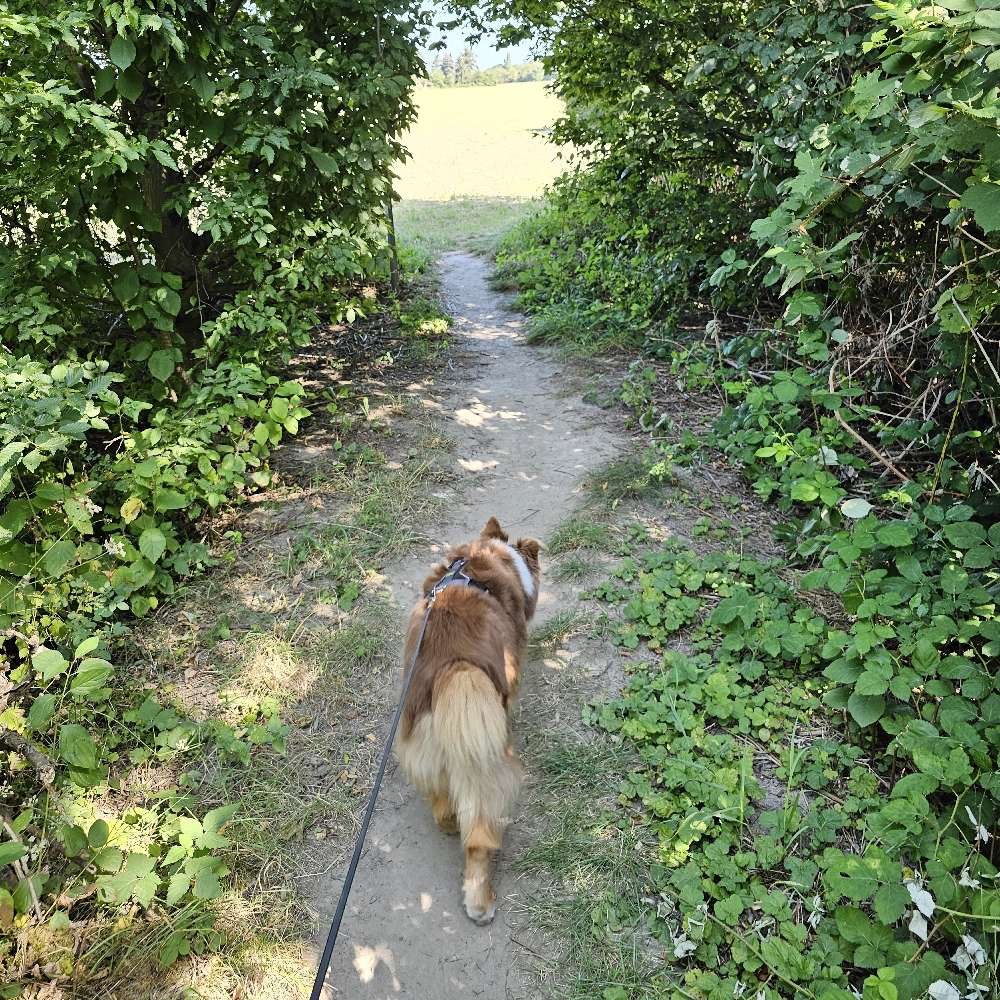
86, 647
90, 678
865, 709
131, 509
126, 285
177, 887
890, 902
11, 852
206, 885
216, 819
895, 533
169, 500
58, 556
77, 747
870, 683
965, 534
161, 364
152, 543
954, 579
42, 709
97, 835
74, 840
856, 507
984, 202
137, 880
326, 164
48, 663
122, 52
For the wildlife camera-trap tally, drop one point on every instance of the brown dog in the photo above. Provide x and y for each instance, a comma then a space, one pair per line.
454, 744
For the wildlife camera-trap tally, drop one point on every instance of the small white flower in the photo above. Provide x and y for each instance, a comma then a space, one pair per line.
967, 880
761, 995
739, 989
970, 954
922, 899
943, 990
918, 925
114, 548
88, 505
981, 832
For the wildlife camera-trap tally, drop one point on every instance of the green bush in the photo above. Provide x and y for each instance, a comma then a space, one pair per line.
797, 205
186, 190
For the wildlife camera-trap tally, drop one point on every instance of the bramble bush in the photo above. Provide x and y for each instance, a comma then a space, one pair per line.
797, 205
186, 190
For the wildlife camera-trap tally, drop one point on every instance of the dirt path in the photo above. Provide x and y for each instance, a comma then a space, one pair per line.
521, 448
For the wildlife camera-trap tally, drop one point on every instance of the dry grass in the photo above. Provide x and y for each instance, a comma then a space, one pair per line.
480, 142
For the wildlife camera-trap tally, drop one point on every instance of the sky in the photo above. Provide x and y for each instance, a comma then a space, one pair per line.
486, 52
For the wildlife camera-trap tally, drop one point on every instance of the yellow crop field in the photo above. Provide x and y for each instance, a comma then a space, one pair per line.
480, 142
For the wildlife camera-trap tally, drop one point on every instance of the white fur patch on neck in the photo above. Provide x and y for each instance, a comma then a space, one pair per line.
527, 581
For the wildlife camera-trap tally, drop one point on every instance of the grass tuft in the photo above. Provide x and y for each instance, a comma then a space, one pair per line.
579, 532
630, 478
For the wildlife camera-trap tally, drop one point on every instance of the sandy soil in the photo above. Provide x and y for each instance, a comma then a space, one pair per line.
521, 449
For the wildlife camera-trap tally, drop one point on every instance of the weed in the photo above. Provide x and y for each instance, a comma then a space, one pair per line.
573, 569
559, 628
579, 532
631, 477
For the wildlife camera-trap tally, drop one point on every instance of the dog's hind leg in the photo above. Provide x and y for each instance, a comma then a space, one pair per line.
444, 812
481, 843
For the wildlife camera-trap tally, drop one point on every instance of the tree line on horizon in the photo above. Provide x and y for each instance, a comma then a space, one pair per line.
447, 70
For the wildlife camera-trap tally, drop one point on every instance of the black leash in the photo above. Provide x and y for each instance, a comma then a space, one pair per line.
457, 576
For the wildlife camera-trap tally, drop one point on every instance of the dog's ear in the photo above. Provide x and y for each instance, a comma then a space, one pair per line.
493, 530
529, 548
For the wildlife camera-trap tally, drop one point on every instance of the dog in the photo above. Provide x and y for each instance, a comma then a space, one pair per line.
455, 737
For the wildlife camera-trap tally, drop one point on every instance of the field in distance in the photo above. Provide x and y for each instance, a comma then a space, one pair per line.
479, 159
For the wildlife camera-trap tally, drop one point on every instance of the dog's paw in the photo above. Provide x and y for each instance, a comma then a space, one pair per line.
447, 824
481, 915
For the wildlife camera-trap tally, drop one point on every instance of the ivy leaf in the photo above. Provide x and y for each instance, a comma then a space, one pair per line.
122, 53
152, 543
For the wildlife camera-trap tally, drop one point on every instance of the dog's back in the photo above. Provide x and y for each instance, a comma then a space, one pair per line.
455, 742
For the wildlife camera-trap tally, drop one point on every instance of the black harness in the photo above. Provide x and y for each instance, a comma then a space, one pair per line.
456, 577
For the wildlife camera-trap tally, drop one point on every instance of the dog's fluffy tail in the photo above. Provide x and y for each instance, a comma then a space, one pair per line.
470, 730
